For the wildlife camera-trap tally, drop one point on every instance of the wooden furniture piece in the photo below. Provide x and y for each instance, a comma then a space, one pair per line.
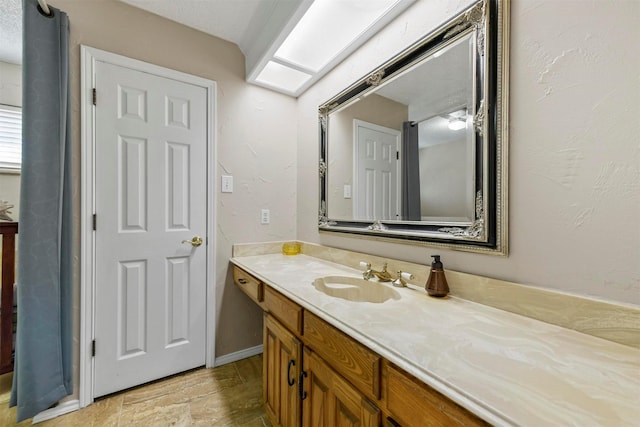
317, 376
249, 285
331, 400
8, 230
357, 364
282, 358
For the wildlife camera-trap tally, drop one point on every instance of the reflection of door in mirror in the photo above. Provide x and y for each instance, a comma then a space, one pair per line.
374, 109
376, 171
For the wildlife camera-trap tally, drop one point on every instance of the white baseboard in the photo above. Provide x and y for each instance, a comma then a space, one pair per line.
61, 409
238, 355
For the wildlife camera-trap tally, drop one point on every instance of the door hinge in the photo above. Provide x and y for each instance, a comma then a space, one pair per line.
95, 221
95, 96
397, 155
93, 348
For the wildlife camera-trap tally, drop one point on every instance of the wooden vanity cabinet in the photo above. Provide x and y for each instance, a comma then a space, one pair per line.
411, 403
286, 311
282, 359
356, 363
249, 285
329, 400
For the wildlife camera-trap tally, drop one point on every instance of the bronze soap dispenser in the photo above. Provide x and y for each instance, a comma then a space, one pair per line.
437, 283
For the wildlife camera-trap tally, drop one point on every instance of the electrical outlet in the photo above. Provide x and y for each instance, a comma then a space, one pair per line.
227, 184
265, 216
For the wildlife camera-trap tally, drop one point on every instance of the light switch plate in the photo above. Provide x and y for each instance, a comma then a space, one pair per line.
227, 184
265, 216
347, 191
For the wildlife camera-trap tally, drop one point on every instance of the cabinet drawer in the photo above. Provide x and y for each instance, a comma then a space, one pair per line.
413, 403
285, 310
249, 284
354, 361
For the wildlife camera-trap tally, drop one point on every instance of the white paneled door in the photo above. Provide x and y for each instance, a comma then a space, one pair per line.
376, 171
151, 208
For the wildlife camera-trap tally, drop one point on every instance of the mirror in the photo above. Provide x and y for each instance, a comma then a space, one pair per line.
417, 149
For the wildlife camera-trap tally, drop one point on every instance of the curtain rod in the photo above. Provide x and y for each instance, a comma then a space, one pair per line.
44, 6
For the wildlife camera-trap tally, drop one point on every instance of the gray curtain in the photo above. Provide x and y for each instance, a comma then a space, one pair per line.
43, 362
411, 210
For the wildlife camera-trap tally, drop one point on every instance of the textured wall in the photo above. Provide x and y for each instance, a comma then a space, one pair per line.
255, 139
574, 153
10, 94
10, 84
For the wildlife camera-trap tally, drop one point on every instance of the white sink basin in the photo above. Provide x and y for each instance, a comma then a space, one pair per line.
355, 289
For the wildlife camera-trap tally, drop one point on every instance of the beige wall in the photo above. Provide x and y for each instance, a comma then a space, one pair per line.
10, 94
10, 84
574, 155
255, 140
446, 174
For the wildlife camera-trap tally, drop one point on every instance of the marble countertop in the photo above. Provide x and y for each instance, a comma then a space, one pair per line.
507, 369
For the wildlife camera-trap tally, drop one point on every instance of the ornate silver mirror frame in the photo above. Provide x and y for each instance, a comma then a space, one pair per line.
486, 23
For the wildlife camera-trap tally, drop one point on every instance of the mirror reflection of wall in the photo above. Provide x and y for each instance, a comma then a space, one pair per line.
446, 158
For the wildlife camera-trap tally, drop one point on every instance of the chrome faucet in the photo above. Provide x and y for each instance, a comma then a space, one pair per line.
383, 276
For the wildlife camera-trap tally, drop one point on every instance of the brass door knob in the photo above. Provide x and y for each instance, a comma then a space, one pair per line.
195, 242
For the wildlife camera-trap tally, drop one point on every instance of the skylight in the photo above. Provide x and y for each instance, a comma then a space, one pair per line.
278, 75
329, 27
327, 33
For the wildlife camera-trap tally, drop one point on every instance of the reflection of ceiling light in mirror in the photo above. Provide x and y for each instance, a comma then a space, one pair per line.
457, 124
274, 74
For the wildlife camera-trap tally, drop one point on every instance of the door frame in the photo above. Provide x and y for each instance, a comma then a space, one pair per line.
88, 59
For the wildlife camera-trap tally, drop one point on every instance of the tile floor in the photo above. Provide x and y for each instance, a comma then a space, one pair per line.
229, 395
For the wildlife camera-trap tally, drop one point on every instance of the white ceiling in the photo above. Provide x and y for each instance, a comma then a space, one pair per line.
239, 21
11, 31
445, 78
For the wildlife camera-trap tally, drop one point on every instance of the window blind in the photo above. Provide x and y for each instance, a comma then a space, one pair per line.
10, 137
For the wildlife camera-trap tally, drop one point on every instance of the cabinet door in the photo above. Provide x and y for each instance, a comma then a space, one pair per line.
282, 359
331, 401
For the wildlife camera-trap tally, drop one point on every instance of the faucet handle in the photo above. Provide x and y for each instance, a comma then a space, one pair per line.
367, 274
401, 281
